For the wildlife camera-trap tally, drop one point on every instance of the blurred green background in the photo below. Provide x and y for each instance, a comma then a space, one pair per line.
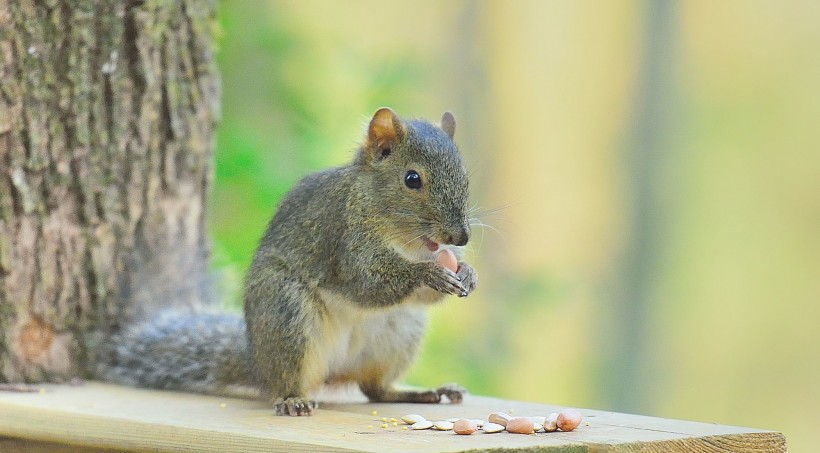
657, 166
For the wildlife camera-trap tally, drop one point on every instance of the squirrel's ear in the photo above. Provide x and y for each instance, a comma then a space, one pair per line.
448, 123
385, 128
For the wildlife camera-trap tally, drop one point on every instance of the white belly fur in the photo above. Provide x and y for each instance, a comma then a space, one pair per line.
354, 338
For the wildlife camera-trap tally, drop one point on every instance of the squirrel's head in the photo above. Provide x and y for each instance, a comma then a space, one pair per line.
418, 178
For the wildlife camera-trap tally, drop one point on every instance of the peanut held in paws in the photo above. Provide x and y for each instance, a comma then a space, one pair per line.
447, 258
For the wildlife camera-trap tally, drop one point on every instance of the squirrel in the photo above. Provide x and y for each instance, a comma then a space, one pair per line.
339, 287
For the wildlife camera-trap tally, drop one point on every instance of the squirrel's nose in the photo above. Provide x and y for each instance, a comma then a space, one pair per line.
460, 236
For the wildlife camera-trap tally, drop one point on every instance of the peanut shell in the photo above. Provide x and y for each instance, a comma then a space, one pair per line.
500, 418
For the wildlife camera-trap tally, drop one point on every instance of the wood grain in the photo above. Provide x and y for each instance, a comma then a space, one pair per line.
106, 416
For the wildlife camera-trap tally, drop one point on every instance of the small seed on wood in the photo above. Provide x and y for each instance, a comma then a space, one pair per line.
520, 425
569, 419
464, 426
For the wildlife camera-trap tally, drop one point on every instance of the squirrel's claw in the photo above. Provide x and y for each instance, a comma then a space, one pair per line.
428, 397
294, 406
468, 277
444, 280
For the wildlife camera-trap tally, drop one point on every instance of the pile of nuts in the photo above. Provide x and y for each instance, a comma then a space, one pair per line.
566, 420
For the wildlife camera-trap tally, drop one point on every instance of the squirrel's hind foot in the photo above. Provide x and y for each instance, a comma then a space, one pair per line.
294, 406
453, 392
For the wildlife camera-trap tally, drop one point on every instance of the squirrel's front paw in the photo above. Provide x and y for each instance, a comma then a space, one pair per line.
444, 280
468, 277
294, 406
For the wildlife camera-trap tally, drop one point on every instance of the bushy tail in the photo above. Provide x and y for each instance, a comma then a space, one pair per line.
199, 352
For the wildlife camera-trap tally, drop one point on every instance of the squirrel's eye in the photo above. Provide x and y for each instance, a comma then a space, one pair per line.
412, 179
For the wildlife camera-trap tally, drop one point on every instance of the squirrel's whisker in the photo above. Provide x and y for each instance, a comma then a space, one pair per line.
478, 223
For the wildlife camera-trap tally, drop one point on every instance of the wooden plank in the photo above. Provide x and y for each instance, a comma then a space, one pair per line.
8, 445
113, 417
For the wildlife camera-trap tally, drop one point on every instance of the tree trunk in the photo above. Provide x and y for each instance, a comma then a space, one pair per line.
107, 116
629, 349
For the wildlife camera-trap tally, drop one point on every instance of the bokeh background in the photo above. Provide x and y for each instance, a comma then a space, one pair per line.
651, 171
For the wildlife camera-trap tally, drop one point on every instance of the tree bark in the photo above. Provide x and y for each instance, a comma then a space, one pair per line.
107, 116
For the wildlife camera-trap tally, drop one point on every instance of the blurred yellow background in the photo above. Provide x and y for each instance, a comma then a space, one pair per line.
655, 166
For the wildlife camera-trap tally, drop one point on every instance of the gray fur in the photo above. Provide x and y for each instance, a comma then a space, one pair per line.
201, 352
338, 289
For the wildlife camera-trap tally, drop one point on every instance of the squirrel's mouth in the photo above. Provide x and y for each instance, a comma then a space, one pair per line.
431, 245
